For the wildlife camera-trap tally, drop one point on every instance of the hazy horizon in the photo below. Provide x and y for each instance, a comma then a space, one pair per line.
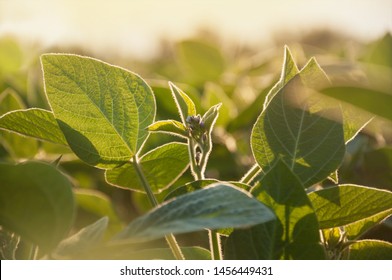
135, 27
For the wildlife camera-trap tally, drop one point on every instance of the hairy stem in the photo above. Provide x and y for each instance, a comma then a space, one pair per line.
251, 174
195, 167
215, 245
170, 239
198, 169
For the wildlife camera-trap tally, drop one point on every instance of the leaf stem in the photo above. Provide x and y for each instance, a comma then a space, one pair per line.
170, 239
215, 245
144, 182
251, 174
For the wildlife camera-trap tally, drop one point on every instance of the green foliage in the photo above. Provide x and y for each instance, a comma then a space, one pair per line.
155, 165
371, 250
345, 204
24, 123
211, 207
36, 202
295, 128
294, 235
303, 195
102, 110
15, 145
373, 101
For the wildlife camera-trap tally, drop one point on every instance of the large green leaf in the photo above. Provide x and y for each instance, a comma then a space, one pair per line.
294, 235
220, 205
36, 123
36, 202
371, 250
298, 125
353, 120
345, 204
102, 110
307, 139
161, 166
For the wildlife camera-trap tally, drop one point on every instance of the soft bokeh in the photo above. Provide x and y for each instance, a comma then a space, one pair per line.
136, 27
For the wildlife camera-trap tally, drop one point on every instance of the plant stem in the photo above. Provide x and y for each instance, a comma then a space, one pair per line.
215, 245
170, 239
198, 173
195, 168
251, 174
144, 182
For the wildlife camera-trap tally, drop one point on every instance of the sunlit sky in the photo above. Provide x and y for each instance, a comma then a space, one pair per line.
136, 26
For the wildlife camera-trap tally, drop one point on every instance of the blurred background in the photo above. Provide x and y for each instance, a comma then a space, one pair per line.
216, 51
136, 27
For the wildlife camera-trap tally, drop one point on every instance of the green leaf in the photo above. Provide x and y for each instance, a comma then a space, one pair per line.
36, 202
217, 206
103, 110
200, 61
169, 126
294, 235
371, 250
294, 129
10, 100
165, 105
289, 71
355, 230
371, 100
353, 120
36, 123
18, 147
82, 241
185, 105
313, 76
380, 51
210, 117
299, 126
161, 166
345, 204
